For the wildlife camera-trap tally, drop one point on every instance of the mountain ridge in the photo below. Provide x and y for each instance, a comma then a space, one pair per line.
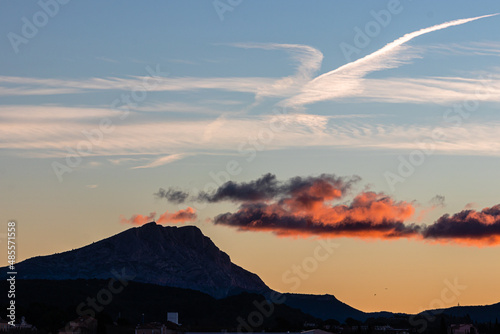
183, 257
171, 256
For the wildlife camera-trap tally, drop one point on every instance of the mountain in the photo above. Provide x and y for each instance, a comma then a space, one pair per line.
480, 313
178, 257
323, 306
328, 307
49, 304
182, 257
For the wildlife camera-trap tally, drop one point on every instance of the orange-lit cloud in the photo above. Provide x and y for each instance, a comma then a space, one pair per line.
138, 219
302, 206
369, 215
309, 206
181, 216
469, 227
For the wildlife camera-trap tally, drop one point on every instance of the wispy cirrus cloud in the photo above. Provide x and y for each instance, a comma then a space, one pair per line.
165, 141
52, 113
163, 160
39, 130
183, 107
308, 60
300, 88
486, 48
439, 90
47, 86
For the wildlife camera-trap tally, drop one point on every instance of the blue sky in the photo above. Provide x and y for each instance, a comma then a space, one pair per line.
201, 91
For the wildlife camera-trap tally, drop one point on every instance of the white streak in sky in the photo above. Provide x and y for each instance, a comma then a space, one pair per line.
346, 79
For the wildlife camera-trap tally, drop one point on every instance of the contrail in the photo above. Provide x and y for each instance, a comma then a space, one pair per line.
317, 89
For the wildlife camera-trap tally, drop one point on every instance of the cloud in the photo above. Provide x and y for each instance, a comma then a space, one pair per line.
299, 88
438, 201
119, 161
138, 219
309, 62
487, 48
346, 80
471, 205
441, 90
308, 59
13, 86
369, 215
301, 206
52, 113
325, 206
182, 107
471, 227
267, 187
263, 188
53, 137
181, 216
49, 131
25, 91
172, 195
163, 160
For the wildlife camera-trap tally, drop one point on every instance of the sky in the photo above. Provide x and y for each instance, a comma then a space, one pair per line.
344, 148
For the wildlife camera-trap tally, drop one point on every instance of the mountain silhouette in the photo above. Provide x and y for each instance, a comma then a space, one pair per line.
183, 257
170, 256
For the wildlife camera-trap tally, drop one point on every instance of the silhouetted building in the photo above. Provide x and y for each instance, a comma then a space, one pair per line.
152, 328
462, 329
81, 325
22, 327
173, 317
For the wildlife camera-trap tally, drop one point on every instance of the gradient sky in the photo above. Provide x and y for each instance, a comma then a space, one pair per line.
79, 160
